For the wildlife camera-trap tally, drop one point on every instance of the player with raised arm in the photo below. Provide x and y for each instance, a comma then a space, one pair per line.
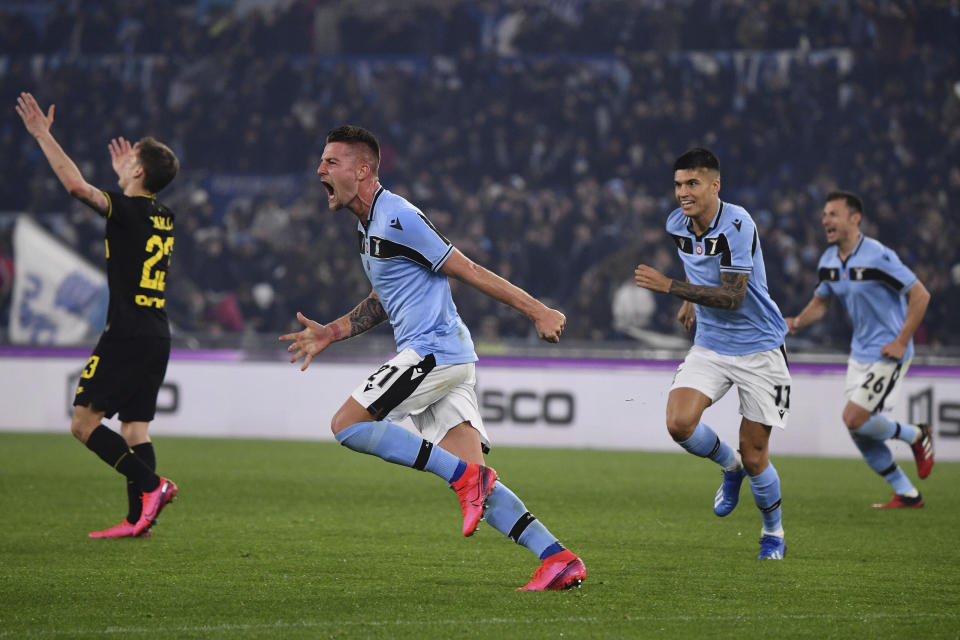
886, 303
739, 340
432, 379
124, 374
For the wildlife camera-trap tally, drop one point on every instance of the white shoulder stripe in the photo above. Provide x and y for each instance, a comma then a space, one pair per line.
439, 263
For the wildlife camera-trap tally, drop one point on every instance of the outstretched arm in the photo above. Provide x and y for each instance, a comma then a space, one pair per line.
316, 337
811, 314
549, 322
38, 124
729, 295
917, 300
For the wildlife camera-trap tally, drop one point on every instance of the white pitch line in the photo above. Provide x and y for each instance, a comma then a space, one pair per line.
306, 624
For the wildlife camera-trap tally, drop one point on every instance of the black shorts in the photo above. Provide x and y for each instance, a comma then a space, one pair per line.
124, 376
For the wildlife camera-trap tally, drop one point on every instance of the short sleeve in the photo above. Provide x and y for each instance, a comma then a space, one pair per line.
899, 273
112, 198
414, 231
741, 242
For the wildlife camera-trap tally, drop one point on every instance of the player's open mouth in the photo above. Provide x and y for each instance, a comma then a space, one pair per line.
329, 189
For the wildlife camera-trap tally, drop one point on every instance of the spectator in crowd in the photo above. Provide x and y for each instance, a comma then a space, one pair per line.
570, 131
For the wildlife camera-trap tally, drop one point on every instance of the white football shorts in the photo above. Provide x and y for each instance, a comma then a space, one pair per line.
437, 398
875, 386
762, 380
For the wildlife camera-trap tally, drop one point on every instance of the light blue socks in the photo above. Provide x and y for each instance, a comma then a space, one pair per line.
506, 513
880, 459
395, 444
880, 427
766, 494
707, 444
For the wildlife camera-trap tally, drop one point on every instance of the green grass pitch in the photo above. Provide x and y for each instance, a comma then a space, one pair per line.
309, 540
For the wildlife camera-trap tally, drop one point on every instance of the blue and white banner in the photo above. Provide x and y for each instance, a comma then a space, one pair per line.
58, 297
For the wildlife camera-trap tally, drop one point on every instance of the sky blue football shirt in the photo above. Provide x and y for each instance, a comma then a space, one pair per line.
402, 253
871, 284
731, 245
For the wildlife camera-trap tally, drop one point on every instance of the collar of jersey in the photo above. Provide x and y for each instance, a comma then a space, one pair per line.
844, 261
373, 204
713, 224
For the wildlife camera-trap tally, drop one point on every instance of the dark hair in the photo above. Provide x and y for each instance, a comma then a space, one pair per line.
352, 134
697, 158
851, 199
160, 164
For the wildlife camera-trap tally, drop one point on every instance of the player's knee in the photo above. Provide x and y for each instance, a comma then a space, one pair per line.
679, 426
755, 458
340, 421
350, 413
83, 421
336, 425
854, 419
80, 429
754, 466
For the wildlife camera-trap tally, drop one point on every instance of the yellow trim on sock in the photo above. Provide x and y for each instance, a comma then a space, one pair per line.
120, 459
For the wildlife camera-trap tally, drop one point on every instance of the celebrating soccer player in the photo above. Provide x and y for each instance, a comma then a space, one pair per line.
739, 340
124, 374
432, 379
886, 303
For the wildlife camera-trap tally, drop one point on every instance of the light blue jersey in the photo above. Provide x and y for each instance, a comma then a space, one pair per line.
731, 245
872, 284
402, 253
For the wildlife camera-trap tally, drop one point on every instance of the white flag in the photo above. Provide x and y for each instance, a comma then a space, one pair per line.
58, 297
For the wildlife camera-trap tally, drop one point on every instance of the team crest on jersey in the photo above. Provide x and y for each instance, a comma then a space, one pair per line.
699, 249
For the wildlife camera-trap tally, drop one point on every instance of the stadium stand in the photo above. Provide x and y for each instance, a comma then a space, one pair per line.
536, 134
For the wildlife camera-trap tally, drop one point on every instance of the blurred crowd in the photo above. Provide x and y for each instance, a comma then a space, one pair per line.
537, 135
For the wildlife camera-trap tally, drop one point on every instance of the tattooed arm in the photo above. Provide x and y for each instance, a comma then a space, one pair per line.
729, 295
365, 316
316, 337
